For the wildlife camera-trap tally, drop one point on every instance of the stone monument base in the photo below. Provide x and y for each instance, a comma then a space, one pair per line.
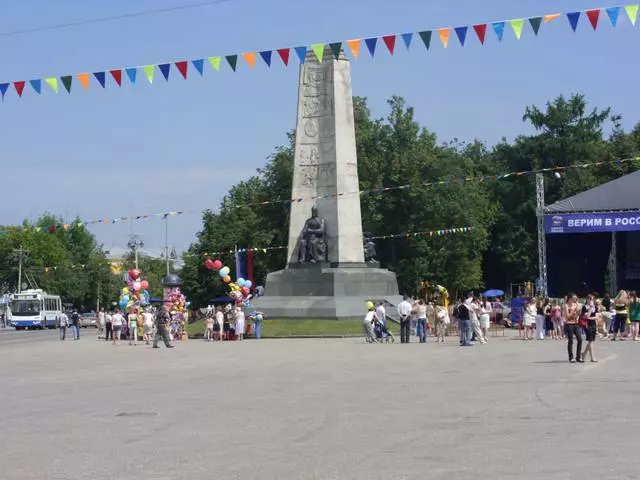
326, 291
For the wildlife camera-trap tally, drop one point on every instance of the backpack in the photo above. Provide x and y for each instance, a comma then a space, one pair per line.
461, 312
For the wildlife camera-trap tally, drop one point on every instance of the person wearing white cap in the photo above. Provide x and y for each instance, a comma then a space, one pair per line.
369, 322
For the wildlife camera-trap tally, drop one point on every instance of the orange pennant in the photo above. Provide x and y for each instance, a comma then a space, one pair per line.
354, 46
250, 58
550, 18
84, 80
444, 36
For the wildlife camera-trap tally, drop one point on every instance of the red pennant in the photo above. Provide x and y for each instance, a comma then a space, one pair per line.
284, 55
19, 86
390, 42
117, 76
593, 16
182, 68
481, 31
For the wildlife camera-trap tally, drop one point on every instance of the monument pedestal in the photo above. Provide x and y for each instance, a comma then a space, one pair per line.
326, 291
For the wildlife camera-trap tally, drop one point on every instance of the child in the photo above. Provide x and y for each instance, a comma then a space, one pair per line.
208, 332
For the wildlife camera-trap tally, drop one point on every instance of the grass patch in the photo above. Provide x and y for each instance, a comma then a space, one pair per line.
301, 327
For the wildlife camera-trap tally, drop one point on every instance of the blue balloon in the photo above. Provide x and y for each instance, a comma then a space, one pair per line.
240, 282
123, 303
125, 299
248, 283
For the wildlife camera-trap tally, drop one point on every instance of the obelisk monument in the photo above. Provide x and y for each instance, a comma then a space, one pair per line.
326, 275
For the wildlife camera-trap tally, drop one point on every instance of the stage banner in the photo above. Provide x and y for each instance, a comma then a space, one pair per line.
592, 222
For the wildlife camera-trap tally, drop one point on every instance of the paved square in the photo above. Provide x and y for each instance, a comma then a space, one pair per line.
315, 409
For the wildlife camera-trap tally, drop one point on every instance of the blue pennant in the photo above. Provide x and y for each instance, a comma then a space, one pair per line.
498, 27
407, 37
36, 85
101, 77
3, 89
573, 17
266, 56
302, 53
613, 13
371, 44
165, 68
199, 65
461, 32
132, 74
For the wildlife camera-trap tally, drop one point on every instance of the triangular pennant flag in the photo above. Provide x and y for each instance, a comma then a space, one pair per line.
354, 46
3, 89
516, 25
183, 68
336, 48
66, 81
426, 38
461, 32
149, 71
551, 17
215, 62
101, 78
390, 42
266, 57
371, 44
132, 73
19, 86
535, 23
53, 83
593, 16
165, 69
198, 65
498, 27
632, 13
613, 13
284, 55
481, 31
302, 53
36, 85
318, 49
574, 18
250, 58
444, 36
83, 78
406, 38
117, 76
232, 60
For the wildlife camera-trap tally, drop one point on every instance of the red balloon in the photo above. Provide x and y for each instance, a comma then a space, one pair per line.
217, 264
245, 291
209, 264
144, 284
134, 273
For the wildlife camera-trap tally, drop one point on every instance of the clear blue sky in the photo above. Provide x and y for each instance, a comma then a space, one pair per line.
181, 145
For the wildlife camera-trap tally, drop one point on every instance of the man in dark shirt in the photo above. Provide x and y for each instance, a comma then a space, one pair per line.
162, 319
75, 324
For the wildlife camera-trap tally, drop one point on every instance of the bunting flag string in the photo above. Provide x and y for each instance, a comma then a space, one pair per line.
429, 233
594, 17
376, 191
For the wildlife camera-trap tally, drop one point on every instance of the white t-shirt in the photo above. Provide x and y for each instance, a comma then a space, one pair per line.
380, 311
64, 320
369, 316
147, 319
101, 318
404, 308
220, 318
117, 320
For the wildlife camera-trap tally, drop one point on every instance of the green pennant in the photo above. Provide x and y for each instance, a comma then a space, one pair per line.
53, 83
535, 24
516, 25
66, 81
215, 62
233, 61
149, 70
336, 48
318, 49
426, 38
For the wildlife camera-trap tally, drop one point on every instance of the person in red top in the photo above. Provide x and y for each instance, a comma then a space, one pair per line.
572, 314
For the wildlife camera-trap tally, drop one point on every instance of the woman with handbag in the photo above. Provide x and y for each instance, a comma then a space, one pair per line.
588, 321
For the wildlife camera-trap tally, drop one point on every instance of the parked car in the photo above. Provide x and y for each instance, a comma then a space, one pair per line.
89, 320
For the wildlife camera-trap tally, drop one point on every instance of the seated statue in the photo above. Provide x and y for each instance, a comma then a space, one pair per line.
313, 245
369, 249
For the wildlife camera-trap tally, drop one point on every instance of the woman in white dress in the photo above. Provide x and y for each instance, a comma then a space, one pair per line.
485, 318
239, 323
529, 319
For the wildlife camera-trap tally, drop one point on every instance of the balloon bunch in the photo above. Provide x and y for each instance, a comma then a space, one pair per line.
240, 289
135, 294
177, 300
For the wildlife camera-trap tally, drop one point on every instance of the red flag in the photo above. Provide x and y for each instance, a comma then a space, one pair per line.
284, 55
593, 16
117, 76
481, 31
390, 42
182, 68
19, 86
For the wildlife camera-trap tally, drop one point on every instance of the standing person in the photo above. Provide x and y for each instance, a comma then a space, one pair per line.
548, 323
239, 326
133, 327
101, 322
421, 314
572, 314
461, 312
147, 326
485, 318
75, 324
529, 319
473, 306
442, 320
108, 327
556, 318
404, 310
162, 320
634, 315
118, 321
257, 324
64, 323
208, 331
381, 313
540, 321
590, 312
621, 304
220, 322
368, 322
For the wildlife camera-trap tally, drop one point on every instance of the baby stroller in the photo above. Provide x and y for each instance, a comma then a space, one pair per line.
382, 333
